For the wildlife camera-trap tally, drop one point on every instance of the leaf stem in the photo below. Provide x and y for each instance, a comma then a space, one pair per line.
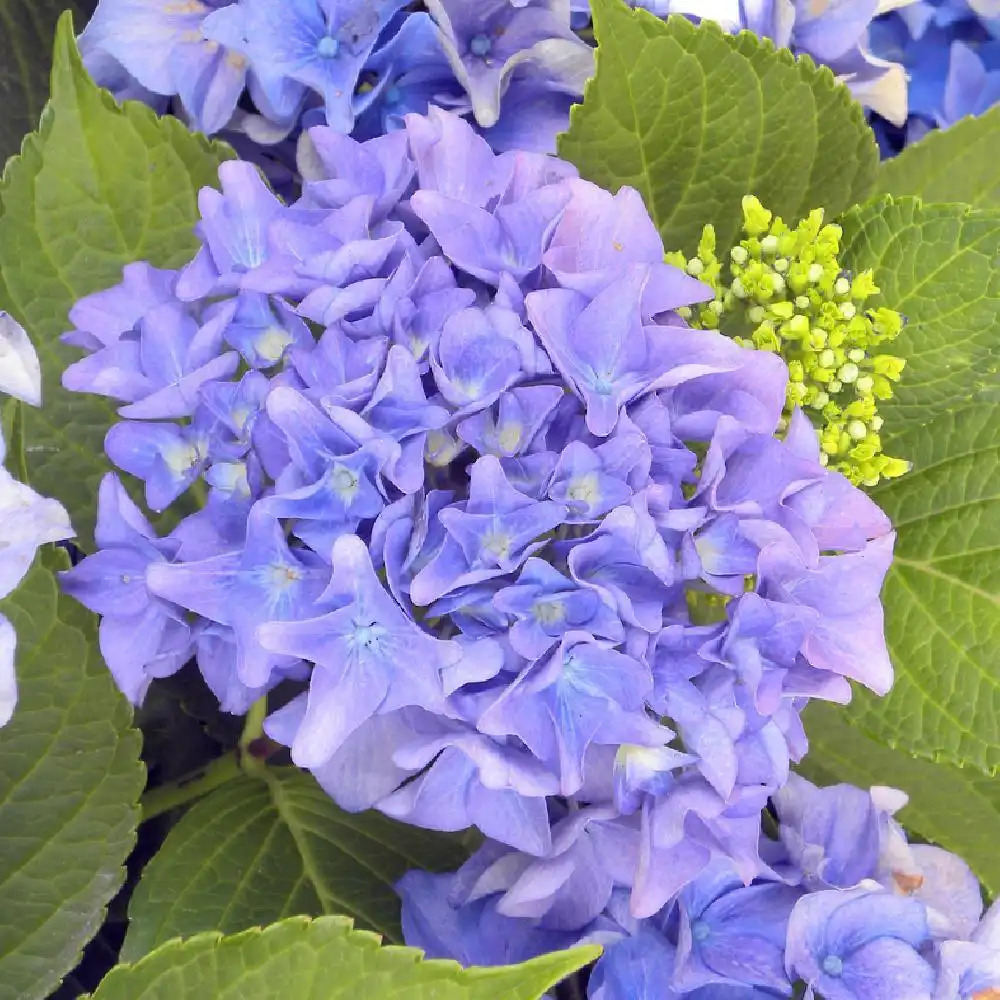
192, 786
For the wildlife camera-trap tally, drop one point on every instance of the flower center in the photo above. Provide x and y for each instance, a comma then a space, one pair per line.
272, 342
344, 483
497, 544
549, 612
509, 437
328, 47
584, 489
700, 930
180, 458
368, 636
480, 45
602, 385
282, 577
833, 965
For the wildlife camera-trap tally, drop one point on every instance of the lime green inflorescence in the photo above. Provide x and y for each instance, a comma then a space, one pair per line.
783, 290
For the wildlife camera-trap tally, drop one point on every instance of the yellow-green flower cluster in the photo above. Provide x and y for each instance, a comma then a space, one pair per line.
784, 290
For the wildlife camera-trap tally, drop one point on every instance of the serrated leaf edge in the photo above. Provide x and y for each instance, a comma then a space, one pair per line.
373, 942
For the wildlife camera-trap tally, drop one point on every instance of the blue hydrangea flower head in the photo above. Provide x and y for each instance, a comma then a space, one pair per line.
464, 479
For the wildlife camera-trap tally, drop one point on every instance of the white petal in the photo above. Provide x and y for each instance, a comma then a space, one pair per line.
27, 521
311, 167
8, 682
886, 94
724, 12
884, 6
986, 9
20, 374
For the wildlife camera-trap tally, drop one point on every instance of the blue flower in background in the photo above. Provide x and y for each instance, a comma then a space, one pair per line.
485, 40
167, 48
860, 944
302, 46
265, 71
951, 55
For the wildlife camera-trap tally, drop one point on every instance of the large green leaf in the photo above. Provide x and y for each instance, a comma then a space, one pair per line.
255, 851
942, 594
26, 30
939, 265
98, 186
955, 807
960, 163
70, 779
323, 959
695, 119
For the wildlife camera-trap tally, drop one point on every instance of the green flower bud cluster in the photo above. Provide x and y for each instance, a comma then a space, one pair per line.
784, 290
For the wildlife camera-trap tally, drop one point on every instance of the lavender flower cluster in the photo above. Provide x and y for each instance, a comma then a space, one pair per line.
535, 551
262, 70
844, 905
358, 66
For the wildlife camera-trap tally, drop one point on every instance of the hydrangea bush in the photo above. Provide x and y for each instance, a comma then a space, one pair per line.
579, 567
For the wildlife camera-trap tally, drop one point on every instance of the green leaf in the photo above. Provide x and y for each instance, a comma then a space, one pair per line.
939, 265
323, 959
98, 186
26, 30
70, 780
959, 163
942, 594
955, 807
255, 851
695, 119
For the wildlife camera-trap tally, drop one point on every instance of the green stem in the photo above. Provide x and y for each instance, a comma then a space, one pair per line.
214, 774
192, 786
199, 493
253, 724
